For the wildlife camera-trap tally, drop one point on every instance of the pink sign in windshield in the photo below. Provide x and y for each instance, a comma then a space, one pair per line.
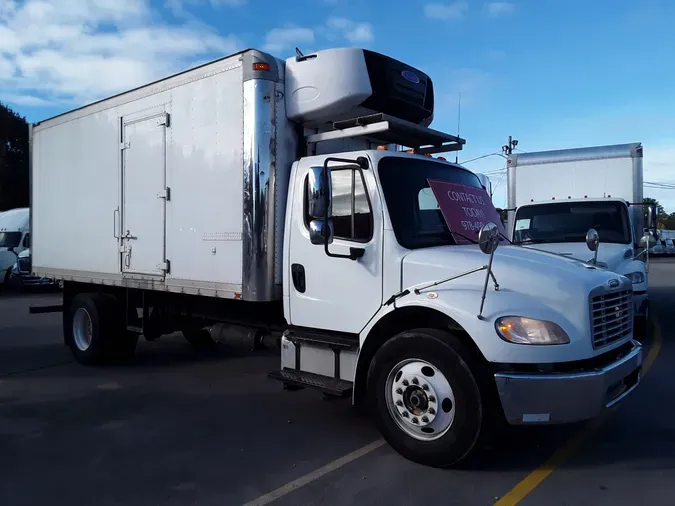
465, 209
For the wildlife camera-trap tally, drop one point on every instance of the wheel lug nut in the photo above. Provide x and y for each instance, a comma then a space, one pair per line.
399, 391
425, 419
399, 403
415, 381
405, 383
425, 387
415, 420
405, 414
432, 398
432, 411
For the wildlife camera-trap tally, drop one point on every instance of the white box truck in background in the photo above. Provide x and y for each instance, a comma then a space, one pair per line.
14, 238
555, 197
260, 193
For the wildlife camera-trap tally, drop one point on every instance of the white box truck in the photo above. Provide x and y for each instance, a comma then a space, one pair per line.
555, 197
260, 193
14, 238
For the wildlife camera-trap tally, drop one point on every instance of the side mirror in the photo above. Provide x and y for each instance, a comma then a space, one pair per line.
648, 241
652, 217
592, 239
319, 193
593, 243
318, 231
488, 238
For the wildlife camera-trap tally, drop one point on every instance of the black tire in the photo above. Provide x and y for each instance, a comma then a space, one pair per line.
641, 326
444, 351
5, 280
108, 339
199, 338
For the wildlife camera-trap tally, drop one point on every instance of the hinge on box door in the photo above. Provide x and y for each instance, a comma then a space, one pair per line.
125, 145
166, 267
163, 120
165, 194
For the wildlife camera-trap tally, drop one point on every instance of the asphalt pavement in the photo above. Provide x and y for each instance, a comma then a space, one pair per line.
180, 427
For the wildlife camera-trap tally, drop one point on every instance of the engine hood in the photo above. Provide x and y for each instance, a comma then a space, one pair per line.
532, 283
610, 255
514, 266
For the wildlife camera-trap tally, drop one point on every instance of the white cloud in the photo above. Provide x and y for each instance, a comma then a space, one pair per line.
496, 9
180, 7
473, 84
27, 100
281, 39
84, 50
354, 32
446, 12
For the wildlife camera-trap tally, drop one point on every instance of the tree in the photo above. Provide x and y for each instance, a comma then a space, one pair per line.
667, 221
663, 217
13, 159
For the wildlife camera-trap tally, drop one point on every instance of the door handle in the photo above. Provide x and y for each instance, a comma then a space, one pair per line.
298, 275
116, 214
127, 235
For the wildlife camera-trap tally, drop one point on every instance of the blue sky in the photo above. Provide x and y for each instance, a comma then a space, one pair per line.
552, 74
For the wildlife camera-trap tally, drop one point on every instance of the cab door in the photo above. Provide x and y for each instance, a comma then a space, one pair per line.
325, 292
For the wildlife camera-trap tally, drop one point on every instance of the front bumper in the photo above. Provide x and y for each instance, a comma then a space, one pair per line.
569, 396
19, 280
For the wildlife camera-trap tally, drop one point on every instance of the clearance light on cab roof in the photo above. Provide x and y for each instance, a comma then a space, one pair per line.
261, 66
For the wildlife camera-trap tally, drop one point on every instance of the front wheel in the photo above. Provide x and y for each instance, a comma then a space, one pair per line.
426, 399
641, 326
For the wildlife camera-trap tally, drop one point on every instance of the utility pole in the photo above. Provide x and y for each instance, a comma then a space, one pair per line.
507, 149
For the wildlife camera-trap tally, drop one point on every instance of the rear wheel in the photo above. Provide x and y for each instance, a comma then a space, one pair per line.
94, 332
426, 399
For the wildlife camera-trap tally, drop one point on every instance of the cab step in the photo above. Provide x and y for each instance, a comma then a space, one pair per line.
335, 340
330, 386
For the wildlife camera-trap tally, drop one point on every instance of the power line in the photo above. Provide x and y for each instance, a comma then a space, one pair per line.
481, 157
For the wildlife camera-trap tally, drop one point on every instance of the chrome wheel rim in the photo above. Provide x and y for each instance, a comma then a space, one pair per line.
82, 329
420, 399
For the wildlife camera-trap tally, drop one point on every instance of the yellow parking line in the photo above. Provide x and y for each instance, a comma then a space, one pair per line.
314, 475
534, 479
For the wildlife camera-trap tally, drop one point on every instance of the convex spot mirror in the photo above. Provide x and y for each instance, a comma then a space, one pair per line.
488, 238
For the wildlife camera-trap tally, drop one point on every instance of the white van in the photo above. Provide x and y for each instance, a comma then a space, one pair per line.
14, 238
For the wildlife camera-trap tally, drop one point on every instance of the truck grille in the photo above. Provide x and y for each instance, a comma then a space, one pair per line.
611, 317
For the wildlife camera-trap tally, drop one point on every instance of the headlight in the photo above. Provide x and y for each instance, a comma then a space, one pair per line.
520, 330
636, 277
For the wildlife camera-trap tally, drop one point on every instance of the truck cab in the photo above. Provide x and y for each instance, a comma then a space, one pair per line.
559, 199
14, 238
561, 227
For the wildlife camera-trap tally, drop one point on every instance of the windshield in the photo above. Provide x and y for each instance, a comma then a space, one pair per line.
414, 212
10, 239
570, 221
